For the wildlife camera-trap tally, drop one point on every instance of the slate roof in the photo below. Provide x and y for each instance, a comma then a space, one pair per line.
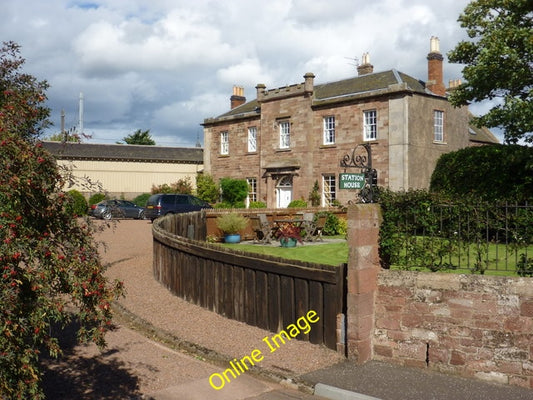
366, 84
481, 135
357, 86
360, 86
124, 152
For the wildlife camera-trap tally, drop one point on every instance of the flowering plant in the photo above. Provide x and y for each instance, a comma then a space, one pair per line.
289, 231
51, 274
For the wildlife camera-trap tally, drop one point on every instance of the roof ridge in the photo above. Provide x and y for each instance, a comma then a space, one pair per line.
396, 74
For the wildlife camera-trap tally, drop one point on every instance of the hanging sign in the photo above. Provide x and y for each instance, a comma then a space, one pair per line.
351, 181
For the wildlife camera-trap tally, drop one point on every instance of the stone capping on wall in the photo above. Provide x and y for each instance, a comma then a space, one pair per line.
470, 325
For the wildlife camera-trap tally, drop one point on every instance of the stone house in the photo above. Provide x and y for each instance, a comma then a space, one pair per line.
126, 171
290, 137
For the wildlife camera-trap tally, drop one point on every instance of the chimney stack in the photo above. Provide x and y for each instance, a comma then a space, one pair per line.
365, 67
309, 83
435, 81
454, 83
237, 98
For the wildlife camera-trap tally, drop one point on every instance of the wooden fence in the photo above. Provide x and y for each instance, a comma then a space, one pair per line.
263, 291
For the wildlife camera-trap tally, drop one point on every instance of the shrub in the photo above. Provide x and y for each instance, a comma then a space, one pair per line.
78, 205
314, 195
297, 204
96, 198
257, 204
495, 172
141, 199
49, 260
342, 227
182, 185
234, 191
524, 266
231, 223
334, 225
206, 188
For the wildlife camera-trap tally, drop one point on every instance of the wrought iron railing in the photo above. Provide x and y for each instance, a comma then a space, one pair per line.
466, 237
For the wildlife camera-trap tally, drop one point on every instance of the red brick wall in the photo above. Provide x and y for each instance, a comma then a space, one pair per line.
474, 326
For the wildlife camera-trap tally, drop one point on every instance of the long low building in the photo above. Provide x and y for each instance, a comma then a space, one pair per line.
126, 170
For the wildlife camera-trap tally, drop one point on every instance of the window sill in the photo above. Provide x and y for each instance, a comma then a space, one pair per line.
439, 142
223, 155
283, 150
328, 146
251, 153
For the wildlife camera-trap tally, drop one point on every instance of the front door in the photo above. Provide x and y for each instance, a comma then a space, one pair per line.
284, 192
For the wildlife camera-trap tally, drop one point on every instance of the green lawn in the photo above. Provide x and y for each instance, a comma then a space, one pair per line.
328, 254
496, 259
499, 263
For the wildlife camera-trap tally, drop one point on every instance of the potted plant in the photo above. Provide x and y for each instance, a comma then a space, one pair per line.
289, 235
231, 224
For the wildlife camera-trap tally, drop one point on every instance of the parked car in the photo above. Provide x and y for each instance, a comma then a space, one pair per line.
163, 204
108, 209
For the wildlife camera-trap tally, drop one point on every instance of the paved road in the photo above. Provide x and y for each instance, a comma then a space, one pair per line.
136, 367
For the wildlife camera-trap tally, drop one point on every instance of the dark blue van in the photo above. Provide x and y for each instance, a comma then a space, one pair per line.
163, 204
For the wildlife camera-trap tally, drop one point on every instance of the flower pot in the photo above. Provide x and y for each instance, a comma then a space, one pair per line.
232, 238
288, 242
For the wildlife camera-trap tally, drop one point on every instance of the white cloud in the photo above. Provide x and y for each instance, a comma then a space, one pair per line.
169, 44
165, 65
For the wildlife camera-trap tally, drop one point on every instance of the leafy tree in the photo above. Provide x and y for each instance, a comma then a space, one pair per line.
68, 136
495, 172
234, 191
21, 96
50, 271
182, 185
140, 137
206, 188
499, 64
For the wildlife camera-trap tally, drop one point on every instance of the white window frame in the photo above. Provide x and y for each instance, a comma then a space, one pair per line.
329, 189
252, 139
438, 126
370, 125
284, 135
224, 143
329, 130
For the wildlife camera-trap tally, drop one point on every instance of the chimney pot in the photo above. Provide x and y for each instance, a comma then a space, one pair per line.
237, 98
365, 68
434, 45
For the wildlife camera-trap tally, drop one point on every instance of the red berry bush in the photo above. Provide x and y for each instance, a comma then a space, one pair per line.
50, 270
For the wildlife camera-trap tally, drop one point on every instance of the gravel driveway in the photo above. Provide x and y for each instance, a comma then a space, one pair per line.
134, 365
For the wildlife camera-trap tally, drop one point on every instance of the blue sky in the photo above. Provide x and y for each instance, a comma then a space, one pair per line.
166, 65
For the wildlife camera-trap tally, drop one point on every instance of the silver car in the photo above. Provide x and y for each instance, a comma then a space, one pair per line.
108, 209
